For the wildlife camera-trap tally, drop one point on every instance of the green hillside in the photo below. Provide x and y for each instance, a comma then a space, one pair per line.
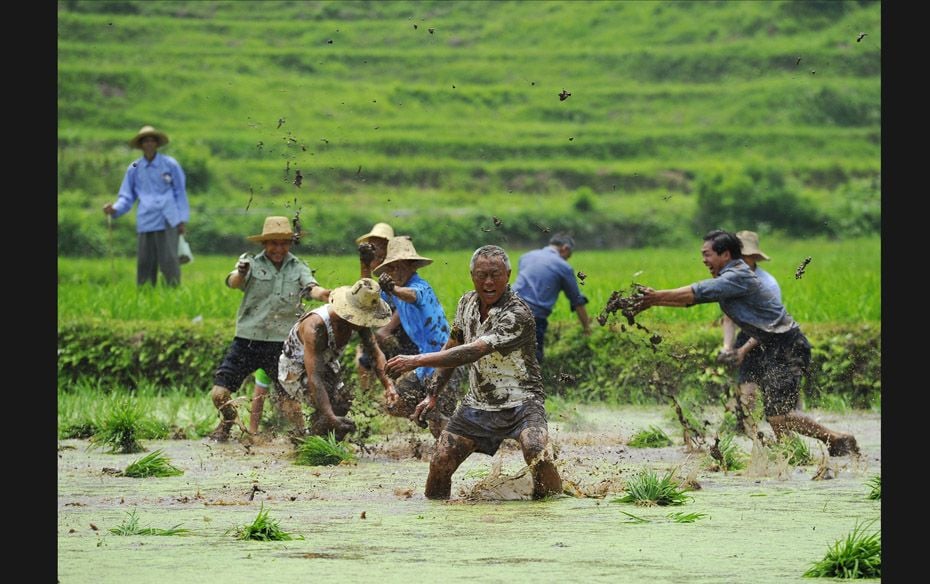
440, 116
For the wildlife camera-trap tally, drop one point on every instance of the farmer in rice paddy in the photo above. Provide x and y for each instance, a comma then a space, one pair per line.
494, 333
272, 282
310, 367
417, 312
785, 351
372, 249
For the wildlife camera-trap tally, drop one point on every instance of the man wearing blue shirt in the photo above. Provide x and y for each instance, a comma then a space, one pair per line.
785, 351
158, 183
418, 312
541, 275
751, 368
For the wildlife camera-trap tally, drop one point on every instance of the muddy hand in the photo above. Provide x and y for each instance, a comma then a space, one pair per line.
387, 283
399, 364
366, 252
428, 403
391, 396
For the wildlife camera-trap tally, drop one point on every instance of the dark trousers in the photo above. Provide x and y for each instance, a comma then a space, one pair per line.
541, 324
158, 249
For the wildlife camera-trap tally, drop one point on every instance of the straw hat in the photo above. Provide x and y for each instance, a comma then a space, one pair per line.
275, 228
361, 303
398, 249
136, 141
382, 230
750, 241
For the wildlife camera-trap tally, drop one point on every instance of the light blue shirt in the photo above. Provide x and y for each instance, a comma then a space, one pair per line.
423, 320
542, 274
769, 282
159, 186
744, 298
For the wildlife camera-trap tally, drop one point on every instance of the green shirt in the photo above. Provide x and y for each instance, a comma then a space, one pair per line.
270, 305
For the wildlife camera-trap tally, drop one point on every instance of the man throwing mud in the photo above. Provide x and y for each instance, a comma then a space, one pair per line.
785, 351
495, 333
309, 368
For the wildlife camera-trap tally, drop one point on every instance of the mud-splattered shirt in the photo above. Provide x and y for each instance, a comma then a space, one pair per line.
292, 373
510, 375
743, 297
269, 306
423, 320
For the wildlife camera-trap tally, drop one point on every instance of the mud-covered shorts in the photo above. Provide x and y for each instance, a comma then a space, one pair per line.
750, 370
489, 428
243, 357
784, 363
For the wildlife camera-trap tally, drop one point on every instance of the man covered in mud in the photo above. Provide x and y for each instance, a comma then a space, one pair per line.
495, 334
418, 313
785, 351
309, 368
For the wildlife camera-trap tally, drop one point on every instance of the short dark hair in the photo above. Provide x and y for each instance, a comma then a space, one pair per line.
560, 239
721, 241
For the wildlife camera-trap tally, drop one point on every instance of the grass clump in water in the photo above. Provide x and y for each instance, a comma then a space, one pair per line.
319, 451
651, 437
648, 489
263, 528
155, 464
120, 428
794, 449
857, 556
680, 517
727, 455
875, 484
131, 527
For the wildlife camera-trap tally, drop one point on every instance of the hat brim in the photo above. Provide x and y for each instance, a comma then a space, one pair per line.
339, 299
161, 137
419, 262
272, 236
756, 252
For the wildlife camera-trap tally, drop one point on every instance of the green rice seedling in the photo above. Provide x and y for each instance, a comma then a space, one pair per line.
319, 451
859, 555
634, 518
876, 487
794, 449
120, 427
155, 464
131, 527
651, 437
263, 528
647, 489
680, 517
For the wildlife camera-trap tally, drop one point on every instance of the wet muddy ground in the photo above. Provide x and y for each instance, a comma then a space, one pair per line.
370, 522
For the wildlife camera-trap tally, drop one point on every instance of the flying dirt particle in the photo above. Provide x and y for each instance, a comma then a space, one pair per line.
564, 95
497, 222
581, 277
800, 271
298, 178
362, 516
861, 36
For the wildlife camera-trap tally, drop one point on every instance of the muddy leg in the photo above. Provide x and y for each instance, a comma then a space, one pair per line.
258, 403
838, 443
546, 479
222, 399
451, 452
746, 394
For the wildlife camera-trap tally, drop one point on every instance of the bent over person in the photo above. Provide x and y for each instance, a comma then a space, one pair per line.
495, 334
310, 368
784, 350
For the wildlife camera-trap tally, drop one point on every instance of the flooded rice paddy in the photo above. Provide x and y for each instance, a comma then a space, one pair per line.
369, 521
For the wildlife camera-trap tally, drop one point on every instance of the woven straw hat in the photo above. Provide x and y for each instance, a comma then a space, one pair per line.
382, 230
136, 141
750, 241
361, 303
398, 249
275, 228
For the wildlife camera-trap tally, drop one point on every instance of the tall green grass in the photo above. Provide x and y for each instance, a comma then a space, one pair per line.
842, 284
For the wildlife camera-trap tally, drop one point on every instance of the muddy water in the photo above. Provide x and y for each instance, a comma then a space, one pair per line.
369, 522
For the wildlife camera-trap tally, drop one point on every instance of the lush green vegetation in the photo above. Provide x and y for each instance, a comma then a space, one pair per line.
438, 116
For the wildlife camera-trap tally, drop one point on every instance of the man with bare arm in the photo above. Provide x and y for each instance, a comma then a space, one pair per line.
495, 334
